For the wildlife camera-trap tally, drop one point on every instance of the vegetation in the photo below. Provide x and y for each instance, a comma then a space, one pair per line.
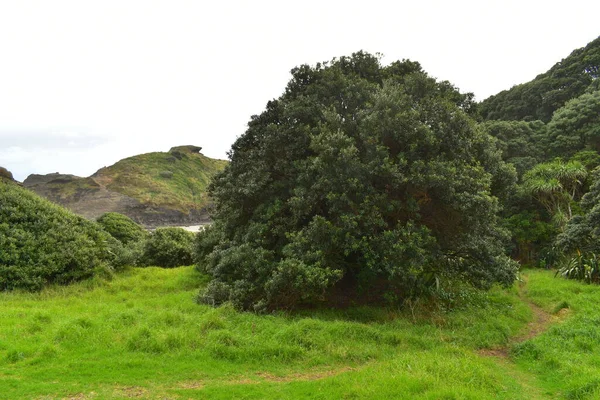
556, 186
358, 179
549, 129
548, 92
41, 243
140, 334
168, 248
177, 179
122, 227
360, 184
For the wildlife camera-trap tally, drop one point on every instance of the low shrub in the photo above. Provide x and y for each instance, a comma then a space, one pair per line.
122, 227
584, 267
168, 248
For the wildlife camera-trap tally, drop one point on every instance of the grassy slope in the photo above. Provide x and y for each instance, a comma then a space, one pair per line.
140, 177
143, 335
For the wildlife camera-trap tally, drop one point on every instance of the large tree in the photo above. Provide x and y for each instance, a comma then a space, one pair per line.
358, 179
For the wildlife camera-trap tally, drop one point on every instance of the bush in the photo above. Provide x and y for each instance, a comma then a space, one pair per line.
168, 248
362, 180
122, 228
583, 267
42, 243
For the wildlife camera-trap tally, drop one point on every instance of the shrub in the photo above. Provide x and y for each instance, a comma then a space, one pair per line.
168, 248
361, 180
122, 227
583, 267
42, 243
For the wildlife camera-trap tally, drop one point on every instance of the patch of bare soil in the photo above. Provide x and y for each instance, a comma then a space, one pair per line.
192, 385
269, 377
132, 392
308, 376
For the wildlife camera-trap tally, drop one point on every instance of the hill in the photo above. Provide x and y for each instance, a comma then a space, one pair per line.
539, 98
153, 189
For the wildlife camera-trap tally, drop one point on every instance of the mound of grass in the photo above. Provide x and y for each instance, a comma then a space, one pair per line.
41, 243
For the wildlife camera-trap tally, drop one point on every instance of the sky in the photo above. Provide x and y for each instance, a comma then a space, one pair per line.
84, 84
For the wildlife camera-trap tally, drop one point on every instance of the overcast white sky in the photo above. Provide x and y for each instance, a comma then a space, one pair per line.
86, 83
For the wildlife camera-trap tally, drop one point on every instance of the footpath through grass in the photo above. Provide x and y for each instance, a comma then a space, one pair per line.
143, 336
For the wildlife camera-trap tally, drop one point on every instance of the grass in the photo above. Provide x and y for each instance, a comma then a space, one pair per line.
142, 335
566, 357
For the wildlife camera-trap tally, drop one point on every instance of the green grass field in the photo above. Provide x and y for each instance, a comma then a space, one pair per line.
143, 336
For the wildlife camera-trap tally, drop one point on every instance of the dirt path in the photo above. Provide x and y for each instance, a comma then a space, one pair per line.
542, 320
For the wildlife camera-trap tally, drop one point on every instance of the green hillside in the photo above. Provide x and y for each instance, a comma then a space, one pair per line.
176, 179
539, 98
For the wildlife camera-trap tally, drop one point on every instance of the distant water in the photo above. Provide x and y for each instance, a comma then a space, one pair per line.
189, 228
194, 228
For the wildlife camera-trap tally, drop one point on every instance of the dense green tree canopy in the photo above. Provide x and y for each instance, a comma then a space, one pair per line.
583, 231
521, 143
359, 177
541, 97
576, 126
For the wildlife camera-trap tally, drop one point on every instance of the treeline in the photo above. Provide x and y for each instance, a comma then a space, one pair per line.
549, 129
